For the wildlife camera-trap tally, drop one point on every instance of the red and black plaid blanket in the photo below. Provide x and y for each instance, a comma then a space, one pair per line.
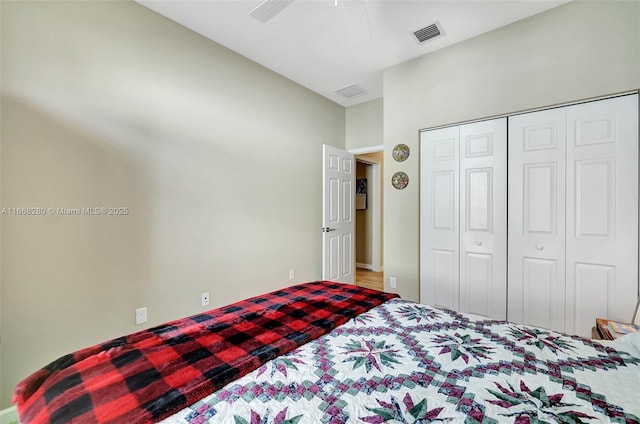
152, 374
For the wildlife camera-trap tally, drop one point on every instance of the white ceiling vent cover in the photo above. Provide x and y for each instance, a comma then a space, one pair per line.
352, 90
268, 9
429, 32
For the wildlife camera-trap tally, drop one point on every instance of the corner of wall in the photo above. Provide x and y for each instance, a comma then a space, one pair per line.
363, 125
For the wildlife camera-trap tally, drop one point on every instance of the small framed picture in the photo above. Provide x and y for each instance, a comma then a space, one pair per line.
361, 186
361, 193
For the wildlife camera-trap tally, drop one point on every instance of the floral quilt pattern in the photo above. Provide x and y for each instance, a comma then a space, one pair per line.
403, 362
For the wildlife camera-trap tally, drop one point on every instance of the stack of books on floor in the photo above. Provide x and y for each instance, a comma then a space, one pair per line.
611, 330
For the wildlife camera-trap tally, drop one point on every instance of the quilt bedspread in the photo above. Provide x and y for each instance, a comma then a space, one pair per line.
404, 362
154, 373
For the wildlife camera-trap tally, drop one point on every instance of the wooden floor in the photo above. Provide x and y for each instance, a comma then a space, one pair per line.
369, 279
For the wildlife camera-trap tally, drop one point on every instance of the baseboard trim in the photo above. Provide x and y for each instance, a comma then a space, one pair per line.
368, 266
364, 266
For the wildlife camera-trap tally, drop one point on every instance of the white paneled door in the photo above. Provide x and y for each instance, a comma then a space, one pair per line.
439, 218
483, 216
463, 218
602, 212
338, 224
573, 215
537, 218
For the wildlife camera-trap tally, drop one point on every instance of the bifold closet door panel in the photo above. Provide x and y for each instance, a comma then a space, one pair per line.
439, 218
602, 211
463, 218
483, 216
537, 219
573, 215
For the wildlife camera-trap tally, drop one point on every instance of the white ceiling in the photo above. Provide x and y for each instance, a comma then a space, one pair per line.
309, 41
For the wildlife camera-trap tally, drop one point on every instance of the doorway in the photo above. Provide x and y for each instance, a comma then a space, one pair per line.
369, 241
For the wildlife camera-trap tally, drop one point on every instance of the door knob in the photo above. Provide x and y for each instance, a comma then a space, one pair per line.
479, 243
327, 229
539, 247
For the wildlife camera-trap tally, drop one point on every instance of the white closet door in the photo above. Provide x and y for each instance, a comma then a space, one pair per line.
439, 217
573, 215
602, 211
463, 218
483, 215
537, 219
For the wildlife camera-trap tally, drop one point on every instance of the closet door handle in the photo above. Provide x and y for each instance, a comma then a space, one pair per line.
479, 243
539, 247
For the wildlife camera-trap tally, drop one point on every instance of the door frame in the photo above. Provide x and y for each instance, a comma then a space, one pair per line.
376, 205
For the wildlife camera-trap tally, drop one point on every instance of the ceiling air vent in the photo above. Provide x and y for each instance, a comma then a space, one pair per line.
428, 32
268, 9
352, 90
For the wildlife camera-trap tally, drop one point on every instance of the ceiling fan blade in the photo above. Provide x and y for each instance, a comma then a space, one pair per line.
357, 21
266, 10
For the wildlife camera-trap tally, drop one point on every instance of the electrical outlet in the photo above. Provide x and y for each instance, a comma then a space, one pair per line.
292, 274
393, 283
204, 299
141, 315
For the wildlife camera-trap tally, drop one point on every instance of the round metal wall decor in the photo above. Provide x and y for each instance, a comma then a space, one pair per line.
400, 180
401, 152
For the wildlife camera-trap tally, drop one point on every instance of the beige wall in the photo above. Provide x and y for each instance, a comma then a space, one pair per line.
363, 128
364, 125
107, 104
576, 51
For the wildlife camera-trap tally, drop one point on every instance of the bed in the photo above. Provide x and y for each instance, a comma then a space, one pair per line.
324, 352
